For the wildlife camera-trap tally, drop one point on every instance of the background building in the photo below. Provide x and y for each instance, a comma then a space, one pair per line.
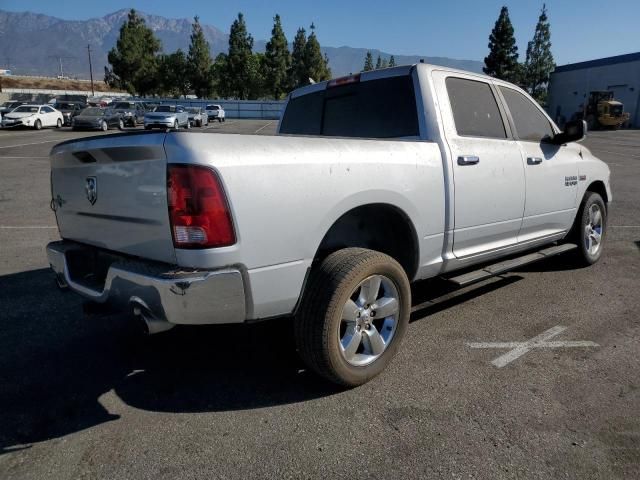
570, 85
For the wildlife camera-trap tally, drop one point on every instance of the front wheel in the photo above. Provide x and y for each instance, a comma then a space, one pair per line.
176, 125
590, 229
353, 316
37, 125
120, 125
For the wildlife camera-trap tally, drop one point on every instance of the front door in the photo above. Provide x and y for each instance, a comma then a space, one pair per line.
487, 167
551, 171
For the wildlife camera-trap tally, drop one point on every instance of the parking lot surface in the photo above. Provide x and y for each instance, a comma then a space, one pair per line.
93, 398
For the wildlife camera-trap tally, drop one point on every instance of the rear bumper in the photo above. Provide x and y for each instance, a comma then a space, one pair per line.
160, 293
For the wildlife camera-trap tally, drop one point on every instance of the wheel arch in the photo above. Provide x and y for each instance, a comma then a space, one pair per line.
393, 234
598, 187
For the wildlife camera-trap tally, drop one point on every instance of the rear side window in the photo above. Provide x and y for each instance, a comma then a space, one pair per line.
475, 109
531, 125
383, 108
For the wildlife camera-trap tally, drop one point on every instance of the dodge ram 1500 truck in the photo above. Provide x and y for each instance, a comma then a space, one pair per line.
375, 180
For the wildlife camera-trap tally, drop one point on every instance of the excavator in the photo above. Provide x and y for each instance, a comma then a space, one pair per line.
602, 111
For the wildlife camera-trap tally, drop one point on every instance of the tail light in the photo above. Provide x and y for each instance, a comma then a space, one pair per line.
337, 82
198, 208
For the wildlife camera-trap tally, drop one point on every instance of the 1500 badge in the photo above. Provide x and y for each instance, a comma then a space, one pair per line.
570, 181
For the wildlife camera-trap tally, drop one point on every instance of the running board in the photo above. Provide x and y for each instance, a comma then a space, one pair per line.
508, 265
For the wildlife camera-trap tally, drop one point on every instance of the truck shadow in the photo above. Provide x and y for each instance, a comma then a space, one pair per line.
56, 363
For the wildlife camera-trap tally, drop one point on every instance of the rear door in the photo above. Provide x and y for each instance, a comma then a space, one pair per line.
487, 165
551, 171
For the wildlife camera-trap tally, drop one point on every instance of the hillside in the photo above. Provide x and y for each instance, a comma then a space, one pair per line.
35, 44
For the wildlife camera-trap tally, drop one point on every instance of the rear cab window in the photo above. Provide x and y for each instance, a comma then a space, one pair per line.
379, 108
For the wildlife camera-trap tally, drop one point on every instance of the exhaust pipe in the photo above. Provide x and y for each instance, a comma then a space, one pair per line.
152, 324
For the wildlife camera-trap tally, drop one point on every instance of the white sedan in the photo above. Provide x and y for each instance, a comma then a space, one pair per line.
34, 116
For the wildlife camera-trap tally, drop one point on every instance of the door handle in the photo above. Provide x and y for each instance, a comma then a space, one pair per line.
468, 160
534, 160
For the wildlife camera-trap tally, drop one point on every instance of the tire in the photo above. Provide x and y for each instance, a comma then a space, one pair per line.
188, 125
104, 127
337, 285
590, 229
224, 119
58, 123
120, 125
37, 125
219, 120
199, 124
176, 125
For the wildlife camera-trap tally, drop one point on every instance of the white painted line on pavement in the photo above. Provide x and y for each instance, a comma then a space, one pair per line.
2, 156
18, 227
616, 153
34, 143
263, 127
518, 349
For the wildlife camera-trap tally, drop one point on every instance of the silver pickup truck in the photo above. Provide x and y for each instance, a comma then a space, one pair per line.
374, 181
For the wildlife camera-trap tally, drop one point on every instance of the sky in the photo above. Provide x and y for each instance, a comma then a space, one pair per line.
456, 29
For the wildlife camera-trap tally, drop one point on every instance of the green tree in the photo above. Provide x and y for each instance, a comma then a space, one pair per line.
239, 59
502, 61
316, 64
277, 61
368, 62
378, 63
392, 61
219, 74
259, 87
199, 61
297, 72
539, 63
173, 71
134, 59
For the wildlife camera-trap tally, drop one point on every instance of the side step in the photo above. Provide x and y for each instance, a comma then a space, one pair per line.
508, 265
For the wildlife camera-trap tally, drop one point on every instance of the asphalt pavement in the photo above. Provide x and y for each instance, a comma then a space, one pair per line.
91, 397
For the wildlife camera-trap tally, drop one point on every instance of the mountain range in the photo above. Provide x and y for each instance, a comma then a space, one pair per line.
36, 44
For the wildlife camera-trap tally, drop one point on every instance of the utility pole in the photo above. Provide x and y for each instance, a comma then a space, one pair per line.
93, 93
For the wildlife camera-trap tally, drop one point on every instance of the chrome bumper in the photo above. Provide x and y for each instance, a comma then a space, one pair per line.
200, 297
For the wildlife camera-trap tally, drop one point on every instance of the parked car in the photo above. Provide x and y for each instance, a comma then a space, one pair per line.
34, 116
133, 112
216, 112
7, 107
330, 221
167, 116
96, 118
197, 116
69, 110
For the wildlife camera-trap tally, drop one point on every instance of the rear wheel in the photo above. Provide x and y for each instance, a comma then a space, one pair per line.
59, 123
590, 229
120, 125
176, 125
353, 316
104, 127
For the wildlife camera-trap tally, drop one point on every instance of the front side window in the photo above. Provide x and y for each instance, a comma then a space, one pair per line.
530, 124
475, 109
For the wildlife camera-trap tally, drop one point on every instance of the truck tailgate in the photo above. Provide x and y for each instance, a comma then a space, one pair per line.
110, 192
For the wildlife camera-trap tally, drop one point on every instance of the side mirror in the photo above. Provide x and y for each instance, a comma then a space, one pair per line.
574, 131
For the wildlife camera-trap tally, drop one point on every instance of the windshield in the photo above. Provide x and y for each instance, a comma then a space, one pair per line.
615, 109
92, 112
193, 110
124, 105
165, 108
64, 106
26, 109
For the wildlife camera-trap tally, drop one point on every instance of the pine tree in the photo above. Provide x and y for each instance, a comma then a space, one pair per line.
315, 63
392, 61
277, 60
378, 63
385, 63
297, 71
539, 63
239, 68
368, 62
219, 74
173, 71
134, 58
502, 61
199, 61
